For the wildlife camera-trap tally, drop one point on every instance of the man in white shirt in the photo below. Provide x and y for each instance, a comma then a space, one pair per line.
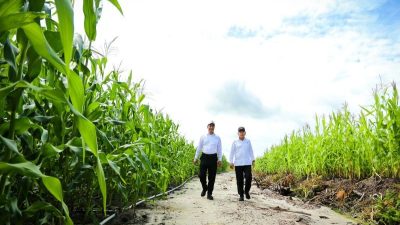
242, 158
210, 146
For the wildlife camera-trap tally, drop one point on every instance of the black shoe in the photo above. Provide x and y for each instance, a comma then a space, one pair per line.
247, 195
203, 193
210, 197
241, 198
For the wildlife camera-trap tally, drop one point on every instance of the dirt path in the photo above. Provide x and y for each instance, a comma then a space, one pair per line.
186, 207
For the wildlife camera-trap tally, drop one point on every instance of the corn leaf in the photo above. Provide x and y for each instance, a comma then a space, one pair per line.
52, 184
116, 4
102, 182
90, 20
11, 144
8, 7
17, 20
42, 47
66, 27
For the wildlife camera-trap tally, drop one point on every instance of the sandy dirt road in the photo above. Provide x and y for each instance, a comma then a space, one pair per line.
187, 207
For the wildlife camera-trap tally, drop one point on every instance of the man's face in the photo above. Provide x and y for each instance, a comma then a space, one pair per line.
211, 128
242, 134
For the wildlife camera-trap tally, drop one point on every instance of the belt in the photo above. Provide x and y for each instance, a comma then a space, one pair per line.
209, 154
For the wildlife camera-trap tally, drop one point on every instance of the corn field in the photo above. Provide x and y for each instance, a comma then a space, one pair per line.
74, 137
342, 144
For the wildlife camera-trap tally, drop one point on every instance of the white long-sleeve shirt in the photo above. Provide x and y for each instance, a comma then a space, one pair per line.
209, 144
241, 153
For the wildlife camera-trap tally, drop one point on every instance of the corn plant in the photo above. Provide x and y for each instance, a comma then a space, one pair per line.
74, 137
342, 144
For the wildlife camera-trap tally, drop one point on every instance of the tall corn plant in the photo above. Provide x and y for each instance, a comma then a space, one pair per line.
57, 104
343, 145
36, 73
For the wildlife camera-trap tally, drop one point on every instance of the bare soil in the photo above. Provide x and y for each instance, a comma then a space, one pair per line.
187, 207
356, 198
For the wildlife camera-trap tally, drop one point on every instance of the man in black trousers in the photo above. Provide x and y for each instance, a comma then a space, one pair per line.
210, 146
242, 158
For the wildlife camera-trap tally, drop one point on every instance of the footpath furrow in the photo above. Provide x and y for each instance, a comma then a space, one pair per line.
187, 207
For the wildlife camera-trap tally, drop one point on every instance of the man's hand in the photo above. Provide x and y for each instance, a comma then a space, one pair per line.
231, 165
219, 163
253, 163
195, 161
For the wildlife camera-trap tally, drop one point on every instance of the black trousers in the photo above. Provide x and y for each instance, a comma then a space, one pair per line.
240, 170
208, 163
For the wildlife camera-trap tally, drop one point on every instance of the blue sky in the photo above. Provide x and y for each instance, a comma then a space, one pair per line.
267, 65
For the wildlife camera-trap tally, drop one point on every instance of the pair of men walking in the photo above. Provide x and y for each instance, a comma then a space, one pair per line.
241, 157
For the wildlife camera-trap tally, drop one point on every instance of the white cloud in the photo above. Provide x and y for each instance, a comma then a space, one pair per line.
301, 57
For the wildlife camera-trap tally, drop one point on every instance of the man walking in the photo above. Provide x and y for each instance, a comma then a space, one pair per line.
242, 158
210, 146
